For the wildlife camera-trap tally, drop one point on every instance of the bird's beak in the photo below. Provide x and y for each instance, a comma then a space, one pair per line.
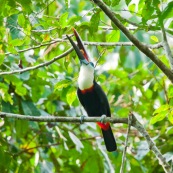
79, 48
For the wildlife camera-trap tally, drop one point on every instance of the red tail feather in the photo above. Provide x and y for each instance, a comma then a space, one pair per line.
104, 126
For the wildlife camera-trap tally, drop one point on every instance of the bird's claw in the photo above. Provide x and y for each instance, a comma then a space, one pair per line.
102, 118
82, 118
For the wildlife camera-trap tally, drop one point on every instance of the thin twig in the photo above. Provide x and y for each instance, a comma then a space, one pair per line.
126, 144
44, 30
166, 46
38, 46
111, 28
154, 46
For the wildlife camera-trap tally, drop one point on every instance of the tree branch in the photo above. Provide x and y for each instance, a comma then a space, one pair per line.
111, 28
38, 66
152, 46
61, 119
143, 48
152, 145
44, 30
38, 46
155, 46
135, 123
166, 46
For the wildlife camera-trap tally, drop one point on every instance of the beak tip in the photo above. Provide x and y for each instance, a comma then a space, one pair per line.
79, 48
67, 36
75, 33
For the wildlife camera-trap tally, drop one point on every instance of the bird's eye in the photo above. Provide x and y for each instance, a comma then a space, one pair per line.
91, 63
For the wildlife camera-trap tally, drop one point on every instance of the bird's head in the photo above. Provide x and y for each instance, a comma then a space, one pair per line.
80, 49
86, 74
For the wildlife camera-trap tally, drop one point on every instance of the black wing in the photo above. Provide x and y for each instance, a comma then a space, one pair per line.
79, 94
102, 96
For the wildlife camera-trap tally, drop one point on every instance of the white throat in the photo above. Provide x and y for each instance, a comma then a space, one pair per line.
86, 77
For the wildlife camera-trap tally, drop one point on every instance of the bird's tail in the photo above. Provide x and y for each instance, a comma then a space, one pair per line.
108, 136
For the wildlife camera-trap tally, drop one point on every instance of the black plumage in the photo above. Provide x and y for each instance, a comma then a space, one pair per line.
93, 98
96, 104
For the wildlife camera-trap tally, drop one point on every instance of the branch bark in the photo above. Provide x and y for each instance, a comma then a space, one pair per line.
38, 46
151, 46
166, 46
135, 123
38, 66
61, 119
155, 46
143, 48
152, 145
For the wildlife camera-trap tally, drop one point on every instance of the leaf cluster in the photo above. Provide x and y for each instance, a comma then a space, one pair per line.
131, 82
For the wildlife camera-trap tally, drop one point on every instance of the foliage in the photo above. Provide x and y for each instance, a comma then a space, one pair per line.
131, 81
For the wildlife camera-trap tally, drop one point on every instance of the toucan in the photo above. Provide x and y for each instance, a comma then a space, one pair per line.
90, 94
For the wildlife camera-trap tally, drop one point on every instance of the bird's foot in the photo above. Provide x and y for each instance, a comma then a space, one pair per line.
82, 118
102, 118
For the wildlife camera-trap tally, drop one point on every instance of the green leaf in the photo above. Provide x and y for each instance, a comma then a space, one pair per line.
25, 76
114, 36
17, 42
71, 95
159, 117
29, 108
85, 25
114, 3
21, 20
147, 12
42, 73
2, 56
170, 92
162, 108
63, 84
148, 93
169, 130
67, 4
21, 127
154, 38
20, 90
73, 19
76, 141
95, 21
132, 7
170, 116
4, 93
168, 12
63, 20
170, 26
107, 2
27, 6
5, 158
127, 2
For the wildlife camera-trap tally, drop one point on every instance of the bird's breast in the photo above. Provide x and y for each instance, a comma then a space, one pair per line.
85, 81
